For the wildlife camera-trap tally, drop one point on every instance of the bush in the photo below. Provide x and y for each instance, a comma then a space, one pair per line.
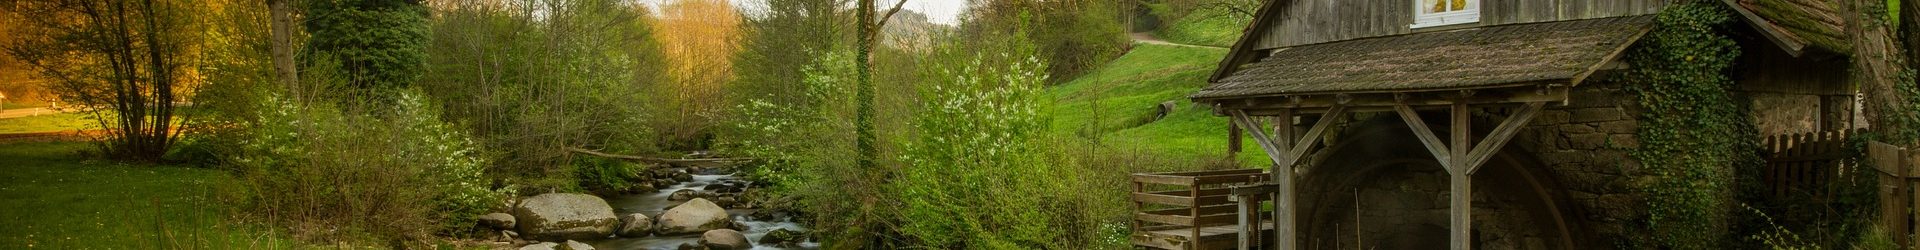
330, 173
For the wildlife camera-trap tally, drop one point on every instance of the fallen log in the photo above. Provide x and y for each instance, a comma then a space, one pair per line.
654, 159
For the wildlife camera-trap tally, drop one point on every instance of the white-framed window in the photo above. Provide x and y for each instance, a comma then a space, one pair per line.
1430, 13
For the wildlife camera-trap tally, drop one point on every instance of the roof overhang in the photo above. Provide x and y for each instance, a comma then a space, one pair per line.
1534, 62
1796, 26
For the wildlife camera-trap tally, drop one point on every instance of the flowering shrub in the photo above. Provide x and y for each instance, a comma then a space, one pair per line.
977, 174
328, 172
800, 139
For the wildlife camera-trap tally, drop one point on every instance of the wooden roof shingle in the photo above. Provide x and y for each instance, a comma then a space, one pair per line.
1815, 22
1484, 57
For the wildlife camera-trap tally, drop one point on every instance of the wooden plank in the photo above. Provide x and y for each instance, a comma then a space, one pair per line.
1184, 220
1163, 179
1887, 158
1185, 211
1203, 192
1177, 200
1181, 220
1207, 172
1230, 179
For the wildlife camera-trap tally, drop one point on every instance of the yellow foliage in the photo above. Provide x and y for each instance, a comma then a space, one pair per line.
698, 38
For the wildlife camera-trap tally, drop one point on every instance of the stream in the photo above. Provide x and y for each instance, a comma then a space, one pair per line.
655, 203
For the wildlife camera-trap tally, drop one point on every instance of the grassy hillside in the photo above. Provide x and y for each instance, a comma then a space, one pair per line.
1207, 27
1112, 104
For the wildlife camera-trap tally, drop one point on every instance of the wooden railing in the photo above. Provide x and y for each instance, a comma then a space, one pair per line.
1191, 210
1805, 163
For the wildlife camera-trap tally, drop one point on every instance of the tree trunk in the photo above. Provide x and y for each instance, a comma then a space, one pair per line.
1876, 67
282, 25
1910, 26
863, 96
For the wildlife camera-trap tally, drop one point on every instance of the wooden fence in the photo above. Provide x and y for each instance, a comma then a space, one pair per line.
1805, 163
1898, 196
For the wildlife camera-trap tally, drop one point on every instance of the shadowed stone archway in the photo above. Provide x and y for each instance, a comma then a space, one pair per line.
1376, 174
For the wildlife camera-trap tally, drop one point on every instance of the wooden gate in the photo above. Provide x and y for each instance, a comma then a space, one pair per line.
1898, 196
1805, 163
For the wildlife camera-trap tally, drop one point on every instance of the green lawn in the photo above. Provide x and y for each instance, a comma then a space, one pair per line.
1113, 102
47, 123
52, 198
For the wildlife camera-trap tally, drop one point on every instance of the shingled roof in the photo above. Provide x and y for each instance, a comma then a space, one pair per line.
1797, 23
1485, 57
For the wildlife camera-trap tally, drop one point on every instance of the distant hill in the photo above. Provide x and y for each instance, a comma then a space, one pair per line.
909, 28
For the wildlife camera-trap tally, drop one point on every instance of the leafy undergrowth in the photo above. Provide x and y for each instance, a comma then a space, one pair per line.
1113, 104
53, 198
46, 123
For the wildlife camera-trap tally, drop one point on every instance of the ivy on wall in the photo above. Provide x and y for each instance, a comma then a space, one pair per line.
1693, 131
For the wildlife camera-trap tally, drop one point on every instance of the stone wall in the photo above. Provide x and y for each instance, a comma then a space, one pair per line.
1585, 145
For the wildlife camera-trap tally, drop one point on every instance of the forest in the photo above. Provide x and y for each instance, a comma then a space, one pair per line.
938, 124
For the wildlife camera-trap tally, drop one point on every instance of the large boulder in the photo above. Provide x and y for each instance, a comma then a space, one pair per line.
635, 225
697, 215
569, 245
497, 221
783, 237
560, 216
724, 239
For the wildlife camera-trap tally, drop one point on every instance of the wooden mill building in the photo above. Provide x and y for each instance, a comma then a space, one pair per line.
1492, 124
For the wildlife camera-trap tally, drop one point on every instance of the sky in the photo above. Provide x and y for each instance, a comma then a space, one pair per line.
938, 11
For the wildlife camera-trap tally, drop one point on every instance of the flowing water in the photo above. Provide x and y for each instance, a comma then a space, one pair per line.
656, 203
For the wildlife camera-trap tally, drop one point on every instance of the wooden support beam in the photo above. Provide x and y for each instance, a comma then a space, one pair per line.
1499, 137
1283, 206
1313, 103
1425, 135
1233, 140
1247, 123
1312, 136
1461, 191
1281, 150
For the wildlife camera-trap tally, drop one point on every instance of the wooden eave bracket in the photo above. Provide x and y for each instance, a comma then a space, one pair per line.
1285, 152
1477, 154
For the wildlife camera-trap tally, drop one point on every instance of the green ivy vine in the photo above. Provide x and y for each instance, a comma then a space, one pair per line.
1694, 132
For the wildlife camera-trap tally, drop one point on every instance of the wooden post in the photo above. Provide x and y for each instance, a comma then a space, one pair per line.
1233, 140
1463, 157
1245, 206
1283, 205
1285, 151
1461, 211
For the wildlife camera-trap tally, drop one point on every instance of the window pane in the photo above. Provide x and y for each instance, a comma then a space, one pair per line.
1433, 6
1459, 4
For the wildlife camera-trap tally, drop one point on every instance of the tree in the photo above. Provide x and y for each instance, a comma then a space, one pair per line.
792, 32
533, 78
124, 61
282, 22
698, 38
1879, 65
381, 44
1080, 34
1910, 26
